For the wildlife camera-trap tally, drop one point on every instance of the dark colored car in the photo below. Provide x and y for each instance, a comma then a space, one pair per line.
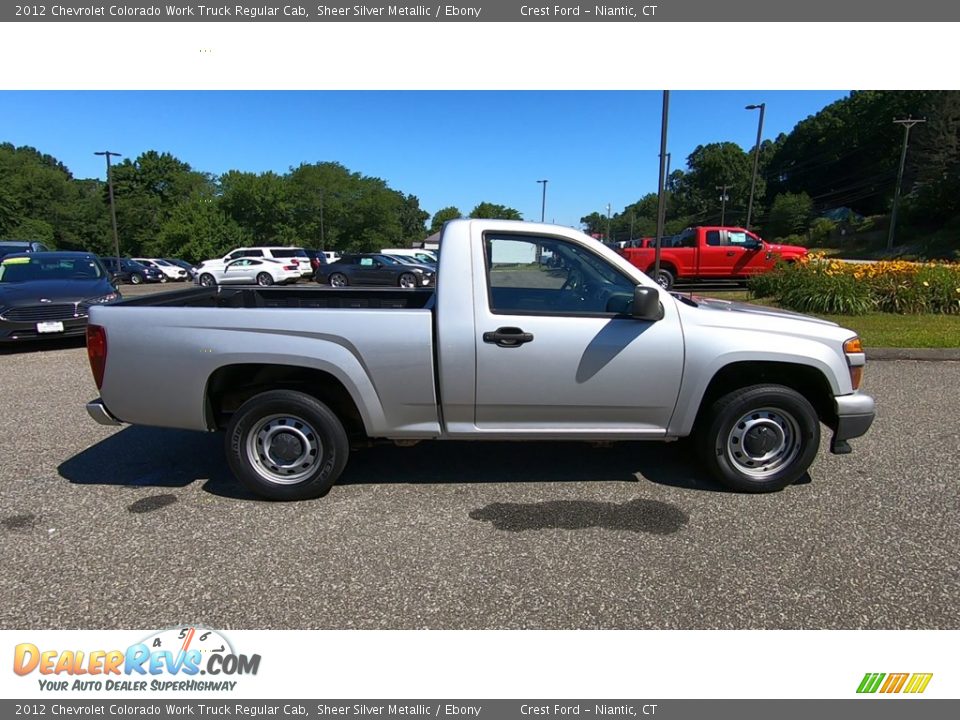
49, 294
9, 247
374, 269
132, 272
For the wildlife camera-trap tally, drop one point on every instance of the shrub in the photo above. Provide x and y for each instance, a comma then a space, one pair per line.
821, 230
818, 285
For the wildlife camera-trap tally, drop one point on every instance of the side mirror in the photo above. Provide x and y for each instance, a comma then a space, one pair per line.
646, 304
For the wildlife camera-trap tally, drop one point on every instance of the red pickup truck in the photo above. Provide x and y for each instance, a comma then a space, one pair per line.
710, 253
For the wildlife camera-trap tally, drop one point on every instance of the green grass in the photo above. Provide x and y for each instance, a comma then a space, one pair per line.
903, 331
882, 329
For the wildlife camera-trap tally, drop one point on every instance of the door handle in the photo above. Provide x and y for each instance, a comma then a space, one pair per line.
508, 337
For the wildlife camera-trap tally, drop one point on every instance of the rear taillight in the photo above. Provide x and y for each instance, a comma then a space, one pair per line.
291, 267
97, 352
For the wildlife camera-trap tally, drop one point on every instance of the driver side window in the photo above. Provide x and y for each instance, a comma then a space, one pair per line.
529, 274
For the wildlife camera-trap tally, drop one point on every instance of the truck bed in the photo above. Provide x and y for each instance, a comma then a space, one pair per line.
168, 352
317, 296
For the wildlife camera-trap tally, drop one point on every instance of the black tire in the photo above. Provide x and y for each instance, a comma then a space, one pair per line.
163, 278
136, 278
407, 280
208, 280
665, 278
264, 279
338, 280
304, 427
781, 426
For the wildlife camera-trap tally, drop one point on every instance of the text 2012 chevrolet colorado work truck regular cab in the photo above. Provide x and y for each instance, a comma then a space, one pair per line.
533, 332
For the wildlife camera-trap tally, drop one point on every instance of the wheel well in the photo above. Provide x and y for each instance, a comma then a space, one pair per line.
805, 379
231, 386
664, 266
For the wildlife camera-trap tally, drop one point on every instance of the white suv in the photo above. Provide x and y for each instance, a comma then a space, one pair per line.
284, 254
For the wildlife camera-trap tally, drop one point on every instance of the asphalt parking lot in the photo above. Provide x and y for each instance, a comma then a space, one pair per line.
142, 527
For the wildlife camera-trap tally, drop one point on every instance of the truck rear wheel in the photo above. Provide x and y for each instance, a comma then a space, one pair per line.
759, 438
286, 445
664, 278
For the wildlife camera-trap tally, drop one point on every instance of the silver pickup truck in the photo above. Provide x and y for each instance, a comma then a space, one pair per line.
533, 332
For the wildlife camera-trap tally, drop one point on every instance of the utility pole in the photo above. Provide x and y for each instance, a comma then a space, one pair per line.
907, 124
608, 224
756, 159
723, 203
113, 210
543, 204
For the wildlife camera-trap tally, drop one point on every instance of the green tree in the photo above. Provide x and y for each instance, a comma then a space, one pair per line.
197, 230
146, 191
260, 204
413, 220
442, 216
491, 211
790, 214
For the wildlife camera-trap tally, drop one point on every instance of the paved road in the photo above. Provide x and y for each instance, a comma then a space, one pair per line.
141, 527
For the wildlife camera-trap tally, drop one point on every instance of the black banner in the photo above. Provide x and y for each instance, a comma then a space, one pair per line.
487, 11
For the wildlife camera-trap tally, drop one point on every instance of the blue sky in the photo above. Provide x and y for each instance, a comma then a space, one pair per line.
446, 147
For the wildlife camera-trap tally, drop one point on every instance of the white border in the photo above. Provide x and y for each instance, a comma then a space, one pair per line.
594, 56
587, 56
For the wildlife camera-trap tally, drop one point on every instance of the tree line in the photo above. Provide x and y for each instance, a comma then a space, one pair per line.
166, 208
845, 157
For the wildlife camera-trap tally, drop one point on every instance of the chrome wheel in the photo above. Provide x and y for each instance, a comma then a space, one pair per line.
207, 280
284, 449
338, 280
763, 442
408, 280
264, 279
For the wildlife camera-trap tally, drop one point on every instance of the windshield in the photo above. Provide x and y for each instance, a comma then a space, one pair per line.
29, 269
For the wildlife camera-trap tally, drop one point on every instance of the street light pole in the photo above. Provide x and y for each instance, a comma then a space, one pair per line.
608, 223
113, 210
543, 204
756, 159
907, 124
661, 190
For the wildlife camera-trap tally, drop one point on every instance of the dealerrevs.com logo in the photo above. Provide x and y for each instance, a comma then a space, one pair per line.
173, 659
910, 683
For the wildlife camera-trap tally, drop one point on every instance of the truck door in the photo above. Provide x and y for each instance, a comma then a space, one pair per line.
756, 258
717, 255
557, 353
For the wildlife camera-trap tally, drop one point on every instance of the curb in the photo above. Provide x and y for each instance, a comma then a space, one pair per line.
928, 354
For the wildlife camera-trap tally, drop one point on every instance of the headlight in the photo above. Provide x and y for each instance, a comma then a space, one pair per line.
103, 299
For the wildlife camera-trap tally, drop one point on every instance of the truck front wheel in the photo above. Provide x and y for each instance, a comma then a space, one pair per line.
286, 445
759, 438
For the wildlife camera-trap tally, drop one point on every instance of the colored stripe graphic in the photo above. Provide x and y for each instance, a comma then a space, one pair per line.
870, 682
894, 683
918, 682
